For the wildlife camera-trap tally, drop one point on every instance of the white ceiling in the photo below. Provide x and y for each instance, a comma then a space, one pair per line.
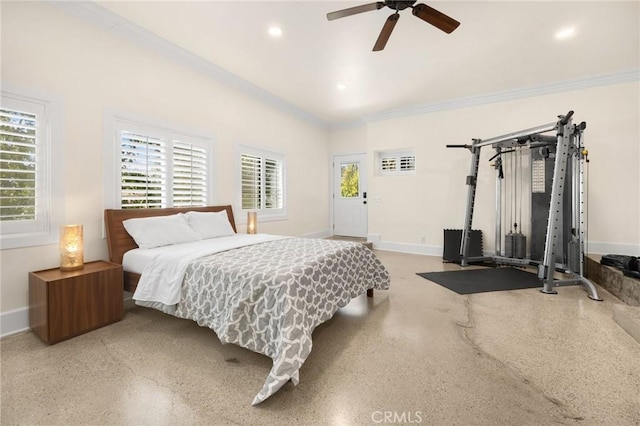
499, 47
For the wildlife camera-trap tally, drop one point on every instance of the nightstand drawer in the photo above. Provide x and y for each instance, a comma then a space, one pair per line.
66, 304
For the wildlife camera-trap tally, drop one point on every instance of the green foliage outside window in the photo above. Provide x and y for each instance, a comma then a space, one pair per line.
17, 165
350, 177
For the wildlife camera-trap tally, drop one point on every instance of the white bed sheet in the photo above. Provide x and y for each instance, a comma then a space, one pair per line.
162, 269
137, 259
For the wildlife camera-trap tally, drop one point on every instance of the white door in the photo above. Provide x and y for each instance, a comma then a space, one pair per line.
350, 195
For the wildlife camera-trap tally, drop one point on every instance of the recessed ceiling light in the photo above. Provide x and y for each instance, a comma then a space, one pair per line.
565, 33
341, 86
275, 31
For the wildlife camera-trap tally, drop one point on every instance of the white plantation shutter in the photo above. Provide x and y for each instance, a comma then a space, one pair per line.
262, 181
143, 173
251, 182
162, 168
407, 163
19, 166
388, 164
189, 175
273, 184
396, 162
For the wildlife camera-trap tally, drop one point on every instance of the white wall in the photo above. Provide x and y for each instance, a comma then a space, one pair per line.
93, 71
422, 205
350, 140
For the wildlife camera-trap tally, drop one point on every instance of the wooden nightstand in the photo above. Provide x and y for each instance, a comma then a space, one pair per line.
65, 304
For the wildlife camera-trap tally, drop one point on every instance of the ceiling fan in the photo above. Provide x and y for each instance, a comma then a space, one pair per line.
422, 11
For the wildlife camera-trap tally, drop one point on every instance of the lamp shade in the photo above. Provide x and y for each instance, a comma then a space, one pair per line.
71, 248
252, 222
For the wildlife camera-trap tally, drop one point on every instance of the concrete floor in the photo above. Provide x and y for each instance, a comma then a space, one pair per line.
417, 354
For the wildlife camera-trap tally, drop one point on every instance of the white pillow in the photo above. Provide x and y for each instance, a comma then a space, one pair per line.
156, 231
209, 224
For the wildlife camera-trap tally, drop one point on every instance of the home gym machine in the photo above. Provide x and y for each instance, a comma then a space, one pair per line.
557, 208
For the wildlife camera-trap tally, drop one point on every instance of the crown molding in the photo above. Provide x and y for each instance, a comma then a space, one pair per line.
510, 95
117, 25
346, 125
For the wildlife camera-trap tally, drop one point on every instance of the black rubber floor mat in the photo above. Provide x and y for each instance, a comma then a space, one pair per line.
484, 280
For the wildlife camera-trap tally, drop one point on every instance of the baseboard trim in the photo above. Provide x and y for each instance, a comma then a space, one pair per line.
318, 234
412, 248
14, 322
409, 248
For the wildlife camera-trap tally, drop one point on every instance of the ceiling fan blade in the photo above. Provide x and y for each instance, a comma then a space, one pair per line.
386, 32
354, 10
435, 18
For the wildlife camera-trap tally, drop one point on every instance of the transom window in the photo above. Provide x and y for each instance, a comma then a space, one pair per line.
396, 162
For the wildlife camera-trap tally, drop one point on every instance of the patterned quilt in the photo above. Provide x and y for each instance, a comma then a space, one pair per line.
269, 297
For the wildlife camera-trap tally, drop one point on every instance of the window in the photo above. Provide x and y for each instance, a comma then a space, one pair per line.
262, 177
350, 180
161, 168
396, 162
29, 171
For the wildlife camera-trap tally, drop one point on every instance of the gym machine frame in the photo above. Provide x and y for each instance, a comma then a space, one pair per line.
569, 153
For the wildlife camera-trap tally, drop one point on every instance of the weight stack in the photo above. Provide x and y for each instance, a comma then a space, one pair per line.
573, 256
510, 245
520, 250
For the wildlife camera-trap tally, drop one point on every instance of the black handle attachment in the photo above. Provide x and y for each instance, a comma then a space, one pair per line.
565, 119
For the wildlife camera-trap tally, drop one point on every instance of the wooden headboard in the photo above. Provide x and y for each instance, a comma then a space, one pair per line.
120, 241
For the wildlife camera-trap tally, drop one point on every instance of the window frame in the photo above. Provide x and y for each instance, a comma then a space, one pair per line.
45, 229
264, 214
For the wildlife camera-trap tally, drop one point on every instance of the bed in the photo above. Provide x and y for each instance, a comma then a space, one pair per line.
262, 292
